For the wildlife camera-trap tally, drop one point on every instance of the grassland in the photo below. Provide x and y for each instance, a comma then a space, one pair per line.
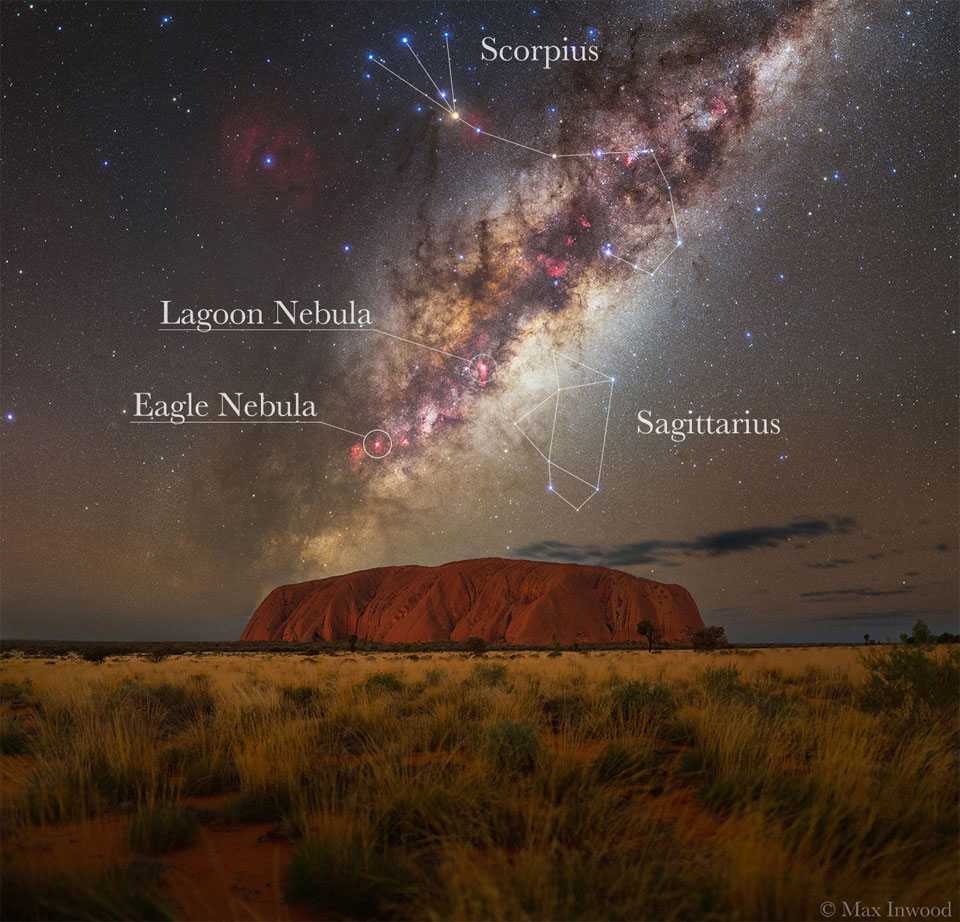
590, 785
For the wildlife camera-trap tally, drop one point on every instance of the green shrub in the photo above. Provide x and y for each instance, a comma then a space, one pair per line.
512, 747
13, 741
633, 700
342, 876
910, 681
173, 707
347, 732
489, 674
268, 804
475, 645
305, 699
13, 737
162, 828
383, 683
724, 682
562, 711
18, 694
709, 638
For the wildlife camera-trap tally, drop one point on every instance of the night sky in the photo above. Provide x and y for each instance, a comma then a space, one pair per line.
228, 155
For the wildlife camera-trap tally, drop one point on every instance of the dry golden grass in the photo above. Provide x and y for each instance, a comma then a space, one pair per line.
609, 785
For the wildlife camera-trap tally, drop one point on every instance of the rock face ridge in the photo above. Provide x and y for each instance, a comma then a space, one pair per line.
508, 601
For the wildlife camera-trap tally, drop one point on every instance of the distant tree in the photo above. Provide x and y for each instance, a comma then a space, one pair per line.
709, 638
93, 654
866, 638
947, 637
352, 643
475, 645
921, 633
650, 631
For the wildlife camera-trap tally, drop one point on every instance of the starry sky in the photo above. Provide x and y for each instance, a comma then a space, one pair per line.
229, 155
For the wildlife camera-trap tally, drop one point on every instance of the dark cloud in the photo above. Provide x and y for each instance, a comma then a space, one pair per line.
831, 564
894, 614
943, 547
715, 544
860, 592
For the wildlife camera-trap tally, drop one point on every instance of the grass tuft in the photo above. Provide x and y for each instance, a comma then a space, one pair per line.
161, 828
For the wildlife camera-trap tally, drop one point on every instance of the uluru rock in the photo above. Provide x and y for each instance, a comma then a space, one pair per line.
509, 601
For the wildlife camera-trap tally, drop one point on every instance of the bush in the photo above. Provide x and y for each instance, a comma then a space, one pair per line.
475, 645
174, 707
492, 674
512, 747
562, 711
162, 828
343, 877
93, 654
910, 681
709, 638
18, 695
724, 683
633, 700
13, 739
305, 699
383, 683
264, 804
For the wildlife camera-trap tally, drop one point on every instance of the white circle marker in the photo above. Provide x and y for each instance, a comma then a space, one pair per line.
377, 444
482, 369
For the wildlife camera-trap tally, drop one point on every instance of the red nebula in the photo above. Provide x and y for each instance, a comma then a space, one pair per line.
584, 222
718, 108
482, 374
269, 158
556, 268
